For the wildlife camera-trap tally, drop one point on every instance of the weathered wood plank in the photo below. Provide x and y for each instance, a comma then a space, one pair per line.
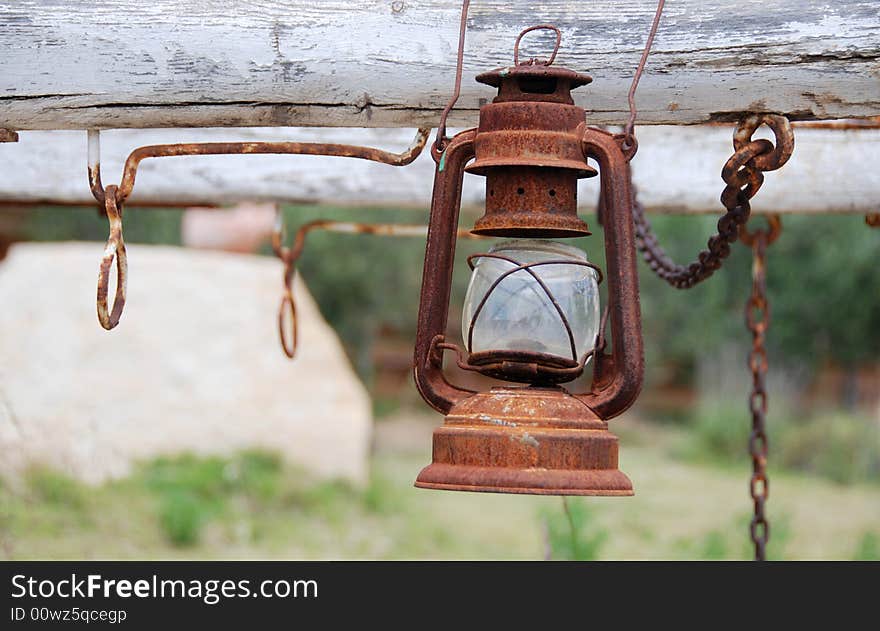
677, 169
76, 64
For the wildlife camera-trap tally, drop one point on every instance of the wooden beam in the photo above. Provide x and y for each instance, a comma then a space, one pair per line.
677, 170
77, 64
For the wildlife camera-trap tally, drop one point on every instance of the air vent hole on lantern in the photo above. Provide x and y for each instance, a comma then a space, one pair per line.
533, 85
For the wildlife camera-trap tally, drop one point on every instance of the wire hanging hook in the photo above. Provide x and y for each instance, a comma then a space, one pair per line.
630, 145
115, 248
441, 141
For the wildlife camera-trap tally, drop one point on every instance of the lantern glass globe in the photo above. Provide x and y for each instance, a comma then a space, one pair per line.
519, 314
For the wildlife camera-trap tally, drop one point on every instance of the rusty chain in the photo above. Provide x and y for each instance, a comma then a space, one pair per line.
743, 173
757, 314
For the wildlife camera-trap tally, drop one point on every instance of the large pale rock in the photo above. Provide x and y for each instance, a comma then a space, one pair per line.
194, 365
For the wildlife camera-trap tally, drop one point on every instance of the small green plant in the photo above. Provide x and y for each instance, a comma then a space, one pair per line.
868, 548
193, 490
56, 489
714, 546
181, 516
719, 432
841, 447
256, 474
207, 478
572, 532
381, 497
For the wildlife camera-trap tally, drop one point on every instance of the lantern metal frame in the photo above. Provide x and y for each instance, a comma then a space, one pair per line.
538, 438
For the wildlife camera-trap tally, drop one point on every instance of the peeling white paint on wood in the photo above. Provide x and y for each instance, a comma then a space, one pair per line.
76, 64
677, 169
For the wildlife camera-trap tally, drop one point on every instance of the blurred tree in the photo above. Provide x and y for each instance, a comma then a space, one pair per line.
823, 282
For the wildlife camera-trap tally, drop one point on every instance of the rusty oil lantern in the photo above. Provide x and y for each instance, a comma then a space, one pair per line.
532, 312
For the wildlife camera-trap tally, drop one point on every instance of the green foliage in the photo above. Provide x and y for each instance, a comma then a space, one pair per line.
194, 490
573, 533
718, 432
837, 446
734, 543
821, 305
842, 447
327, 497
256, 475
56, 489
714, 546
868, 548
365, 283
50, 223
381, 497
160, 511
822, 280
181, 516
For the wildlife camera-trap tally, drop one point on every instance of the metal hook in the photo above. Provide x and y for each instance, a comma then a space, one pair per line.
774, 223
288, 345
548, 27
288, 256
115, 248
94, 155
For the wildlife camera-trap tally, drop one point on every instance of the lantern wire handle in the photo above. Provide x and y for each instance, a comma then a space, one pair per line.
630, 144
441, 140
629, 138
533, 61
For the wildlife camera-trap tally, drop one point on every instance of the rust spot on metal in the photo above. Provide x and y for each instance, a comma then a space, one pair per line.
528, 439
7, 135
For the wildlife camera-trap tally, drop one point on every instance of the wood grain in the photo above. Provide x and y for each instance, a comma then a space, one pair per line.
77, 64
677, 170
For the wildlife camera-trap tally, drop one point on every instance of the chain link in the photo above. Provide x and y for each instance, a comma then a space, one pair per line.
743, 174
757, 315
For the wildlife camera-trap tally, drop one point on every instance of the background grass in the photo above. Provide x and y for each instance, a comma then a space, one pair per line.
688, 462
252, 505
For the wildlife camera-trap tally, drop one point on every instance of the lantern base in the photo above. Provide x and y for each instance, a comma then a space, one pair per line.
541, 441
526, 481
